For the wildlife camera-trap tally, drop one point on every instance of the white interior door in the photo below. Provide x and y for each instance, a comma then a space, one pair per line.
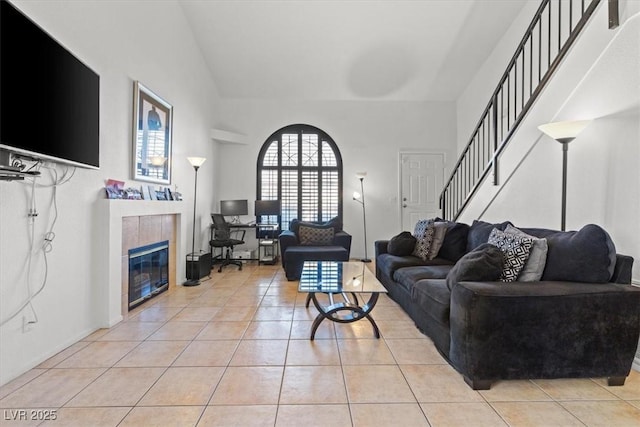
421, 176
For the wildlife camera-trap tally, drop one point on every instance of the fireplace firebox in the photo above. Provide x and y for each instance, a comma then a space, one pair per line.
148, 272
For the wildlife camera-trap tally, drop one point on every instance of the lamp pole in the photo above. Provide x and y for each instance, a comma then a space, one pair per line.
565, 153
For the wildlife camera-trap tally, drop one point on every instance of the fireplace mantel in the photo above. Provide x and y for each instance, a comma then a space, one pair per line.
109, 248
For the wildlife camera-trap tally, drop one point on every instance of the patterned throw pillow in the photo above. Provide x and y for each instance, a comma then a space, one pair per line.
315, 236
516, 252
423, 232
533, 269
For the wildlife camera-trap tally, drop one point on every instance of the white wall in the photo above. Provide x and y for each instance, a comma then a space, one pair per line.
121, 42
477, 94
369, 135
600, 79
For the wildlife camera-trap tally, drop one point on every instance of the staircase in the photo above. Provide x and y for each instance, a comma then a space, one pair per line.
549, 37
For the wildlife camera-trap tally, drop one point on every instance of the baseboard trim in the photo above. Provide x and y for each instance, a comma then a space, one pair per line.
636, 360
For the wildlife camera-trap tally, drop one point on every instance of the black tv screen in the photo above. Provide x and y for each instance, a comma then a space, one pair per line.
49, 100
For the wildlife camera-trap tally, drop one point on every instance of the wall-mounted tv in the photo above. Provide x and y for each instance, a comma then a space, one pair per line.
49, 99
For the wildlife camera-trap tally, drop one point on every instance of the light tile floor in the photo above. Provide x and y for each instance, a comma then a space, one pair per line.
235, 351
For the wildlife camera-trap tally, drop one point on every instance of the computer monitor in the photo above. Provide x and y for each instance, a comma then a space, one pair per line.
234, 208
267, 207
267, 211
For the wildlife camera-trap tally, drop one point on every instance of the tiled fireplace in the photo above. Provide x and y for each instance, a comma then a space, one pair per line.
132, 224
141, 232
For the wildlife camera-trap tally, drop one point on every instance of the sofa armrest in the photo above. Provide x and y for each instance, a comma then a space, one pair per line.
286, 239
623, 269
380, 247
342, 238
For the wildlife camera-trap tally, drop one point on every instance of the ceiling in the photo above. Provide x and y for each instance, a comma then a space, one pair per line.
398, 50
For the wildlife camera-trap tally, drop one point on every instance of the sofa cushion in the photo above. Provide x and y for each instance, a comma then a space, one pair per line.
401, 245
318, 236
316, 253
407, 277
432, 296
484, 263
391, 263
587, 255
479, 233
454, 245
423, 232
534, 267
515, 249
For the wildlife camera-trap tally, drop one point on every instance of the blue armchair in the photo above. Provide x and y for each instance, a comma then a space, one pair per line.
312, 241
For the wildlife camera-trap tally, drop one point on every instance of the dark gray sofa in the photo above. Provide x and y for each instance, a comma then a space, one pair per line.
582, 319
294, 253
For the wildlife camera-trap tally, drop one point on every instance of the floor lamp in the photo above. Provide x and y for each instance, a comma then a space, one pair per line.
359, 197
196, 162
564, 133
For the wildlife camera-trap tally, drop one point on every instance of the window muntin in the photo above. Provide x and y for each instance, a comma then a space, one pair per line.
301, 165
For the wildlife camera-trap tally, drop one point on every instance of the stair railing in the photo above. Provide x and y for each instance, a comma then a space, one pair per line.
548, 38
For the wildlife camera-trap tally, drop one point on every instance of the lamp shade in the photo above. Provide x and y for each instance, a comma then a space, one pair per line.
360, 175
564, 131
158, 160
196, 162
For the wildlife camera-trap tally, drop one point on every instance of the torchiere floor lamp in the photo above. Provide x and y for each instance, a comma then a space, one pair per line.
196, 162
359, 197
564, 133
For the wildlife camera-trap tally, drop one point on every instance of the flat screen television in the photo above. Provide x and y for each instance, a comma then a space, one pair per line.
49, 99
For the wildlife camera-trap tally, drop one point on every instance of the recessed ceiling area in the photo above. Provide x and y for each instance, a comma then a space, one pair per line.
422, 50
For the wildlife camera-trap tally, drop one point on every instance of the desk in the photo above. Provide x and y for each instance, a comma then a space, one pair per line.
266, 234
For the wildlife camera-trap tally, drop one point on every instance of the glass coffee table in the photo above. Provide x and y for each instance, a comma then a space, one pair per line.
345, 280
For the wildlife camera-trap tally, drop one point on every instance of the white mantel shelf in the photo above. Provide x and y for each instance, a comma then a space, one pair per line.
121, 208
110, 214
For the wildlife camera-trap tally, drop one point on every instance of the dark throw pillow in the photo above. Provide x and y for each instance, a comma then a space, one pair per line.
587, 255
482, 264
454, 245
402, 244
479, 233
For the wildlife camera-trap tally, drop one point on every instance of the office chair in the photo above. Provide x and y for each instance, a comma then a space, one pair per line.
222, 239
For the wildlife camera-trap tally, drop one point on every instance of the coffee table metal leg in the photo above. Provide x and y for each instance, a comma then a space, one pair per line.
356, 313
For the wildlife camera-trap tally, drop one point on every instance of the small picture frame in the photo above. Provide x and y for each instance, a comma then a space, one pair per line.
152, 193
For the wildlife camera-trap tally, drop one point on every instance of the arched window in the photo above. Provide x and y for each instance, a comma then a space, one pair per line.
301, 166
